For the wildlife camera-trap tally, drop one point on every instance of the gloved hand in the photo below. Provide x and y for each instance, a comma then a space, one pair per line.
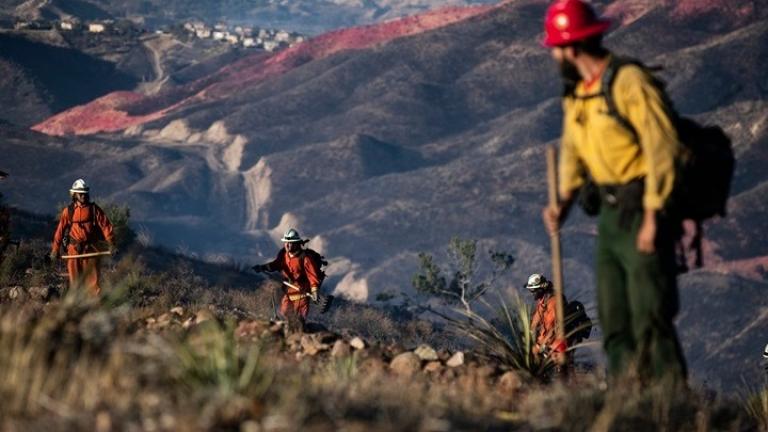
113, 250
545, 351
54, 255
313, 295
259, 268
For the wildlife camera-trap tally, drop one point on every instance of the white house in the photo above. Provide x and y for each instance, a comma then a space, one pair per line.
249, 42
217, 35
271, 45
96, 28
282, 36
67, 25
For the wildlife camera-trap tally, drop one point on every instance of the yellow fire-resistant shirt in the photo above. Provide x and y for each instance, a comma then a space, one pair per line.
595, 140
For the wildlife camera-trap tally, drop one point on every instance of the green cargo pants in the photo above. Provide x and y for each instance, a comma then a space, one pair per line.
637, 300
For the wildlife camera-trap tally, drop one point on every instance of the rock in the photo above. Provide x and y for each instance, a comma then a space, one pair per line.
251, 328
178, 310
340, 349
164, 320
189, 322
293, 341
510, 382
311, 344
357, 343
203, 315
433, 367
405, 364
42, 293
16, 293
456, 360
426, 353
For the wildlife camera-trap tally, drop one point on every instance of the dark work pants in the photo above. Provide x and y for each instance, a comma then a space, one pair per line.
637, 300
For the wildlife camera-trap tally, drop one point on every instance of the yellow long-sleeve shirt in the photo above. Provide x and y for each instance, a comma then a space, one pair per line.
594, 140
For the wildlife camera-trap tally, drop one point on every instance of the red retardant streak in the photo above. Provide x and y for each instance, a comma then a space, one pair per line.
121, 110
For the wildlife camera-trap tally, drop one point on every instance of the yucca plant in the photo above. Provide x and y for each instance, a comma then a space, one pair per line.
211, 359
506, 339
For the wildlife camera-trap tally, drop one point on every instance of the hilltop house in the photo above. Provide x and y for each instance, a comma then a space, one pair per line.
97, 27
271, 45
282, 36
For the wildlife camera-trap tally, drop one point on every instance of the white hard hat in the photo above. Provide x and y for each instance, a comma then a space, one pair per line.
537, 281
79, 186
291, 236
765, 352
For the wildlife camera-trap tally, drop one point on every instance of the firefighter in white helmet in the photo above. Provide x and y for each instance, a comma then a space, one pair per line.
82, 226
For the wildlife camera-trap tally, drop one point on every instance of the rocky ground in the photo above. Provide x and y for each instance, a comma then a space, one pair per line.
191, 346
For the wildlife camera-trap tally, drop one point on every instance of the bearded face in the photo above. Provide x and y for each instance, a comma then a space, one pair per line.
569, 72
292, 247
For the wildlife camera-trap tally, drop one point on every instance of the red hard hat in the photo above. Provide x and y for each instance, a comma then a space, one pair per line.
570, 21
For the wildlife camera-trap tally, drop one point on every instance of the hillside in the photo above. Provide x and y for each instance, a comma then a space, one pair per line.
381, 142
50, 71
306, 16
178, 344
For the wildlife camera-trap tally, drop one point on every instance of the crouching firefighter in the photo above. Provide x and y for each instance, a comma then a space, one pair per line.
578, 325
544, 319
302, 271
82, 226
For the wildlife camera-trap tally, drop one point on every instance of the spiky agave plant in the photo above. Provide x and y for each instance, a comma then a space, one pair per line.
506, 339
756, 405
212, 359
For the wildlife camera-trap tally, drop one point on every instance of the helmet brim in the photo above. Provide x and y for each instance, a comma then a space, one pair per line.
567, 38
285, 240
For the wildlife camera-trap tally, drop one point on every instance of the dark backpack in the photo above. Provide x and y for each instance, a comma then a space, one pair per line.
96, 234
578, 325
320, 263
704, 176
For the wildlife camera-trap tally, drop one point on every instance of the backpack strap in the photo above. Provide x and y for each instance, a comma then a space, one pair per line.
606, 90
71, 214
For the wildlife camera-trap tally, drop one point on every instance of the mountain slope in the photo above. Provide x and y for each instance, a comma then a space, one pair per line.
385, 144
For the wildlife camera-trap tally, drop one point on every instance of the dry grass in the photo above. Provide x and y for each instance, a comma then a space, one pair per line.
756, 405
76, 363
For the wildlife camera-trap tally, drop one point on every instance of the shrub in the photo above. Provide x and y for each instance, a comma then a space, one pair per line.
119, 216
505, 339
463, 265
